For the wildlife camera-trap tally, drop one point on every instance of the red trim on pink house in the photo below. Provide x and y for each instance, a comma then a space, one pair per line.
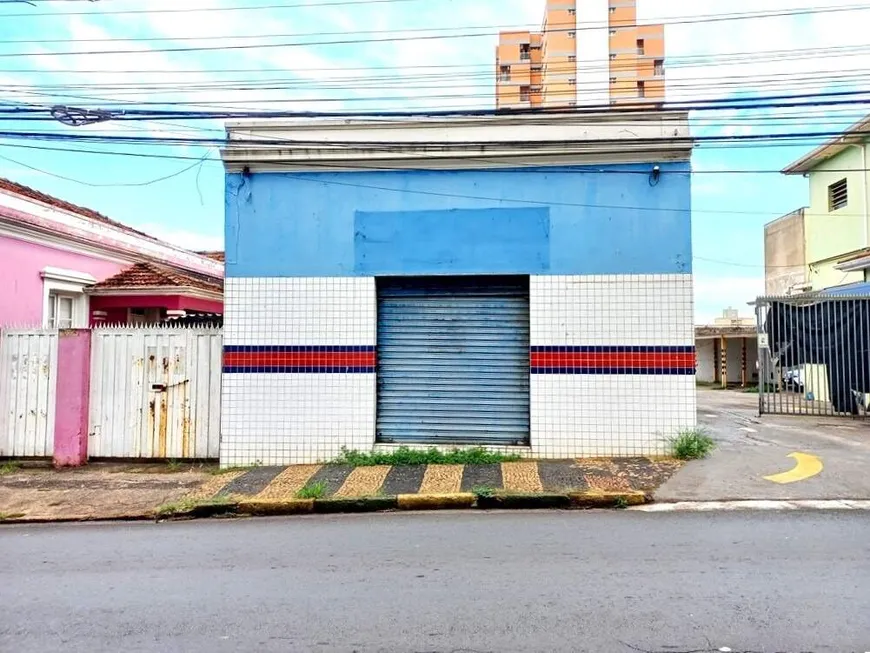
169, 302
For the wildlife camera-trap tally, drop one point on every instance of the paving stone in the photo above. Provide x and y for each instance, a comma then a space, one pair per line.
288, 482
251, 482
333, 475
442, 479
521, 477
363, 482
404, 479
560, 475
474, 476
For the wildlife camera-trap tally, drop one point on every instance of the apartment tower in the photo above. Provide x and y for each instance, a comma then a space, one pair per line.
588, 52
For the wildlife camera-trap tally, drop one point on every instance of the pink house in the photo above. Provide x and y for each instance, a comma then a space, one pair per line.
66, 266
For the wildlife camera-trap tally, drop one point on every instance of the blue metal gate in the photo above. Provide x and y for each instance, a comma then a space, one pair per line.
453, 360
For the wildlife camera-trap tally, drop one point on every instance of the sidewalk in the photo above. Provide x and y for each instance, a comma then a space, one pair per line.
109, 491
750, 448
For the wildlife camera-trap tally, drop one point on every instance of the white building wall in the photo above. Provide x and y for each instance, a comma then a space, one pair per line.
628, 402
707, 361
593, 52
636, 388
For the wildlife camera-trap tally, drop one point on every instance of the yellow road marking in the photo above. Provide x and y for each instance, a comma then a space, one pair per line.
364, 481
441, 479
806, 465
521, 477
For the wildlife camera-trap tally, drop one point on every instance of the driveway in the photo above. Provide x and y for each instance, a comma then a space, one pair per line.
750, 447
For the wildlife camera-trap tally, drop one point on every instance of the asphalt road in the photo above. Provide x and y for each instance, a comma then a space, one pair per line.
447, 582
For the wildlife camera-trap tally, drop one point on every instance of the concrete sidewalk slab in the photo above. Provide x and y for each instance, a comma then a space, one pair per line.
750, 447
98, 491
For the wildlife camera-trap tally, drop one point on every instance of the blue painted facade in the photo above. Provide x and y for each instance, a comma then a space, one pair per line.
561, 221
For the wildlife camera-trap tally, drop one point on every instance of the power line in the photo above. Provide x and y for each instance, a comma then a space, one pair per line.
319, 179
533, 168
198, 162
428, 82
185, 10
201, 160
568, 26
249, 104
700, 60
780, 101
706, 19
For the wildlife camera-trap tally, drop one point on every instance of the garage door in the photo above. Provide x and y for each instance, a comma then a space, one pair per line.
453, 360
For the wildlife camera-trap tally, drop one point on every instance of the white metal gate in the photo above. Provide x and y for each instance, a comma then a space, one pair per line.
28, 379
155, 392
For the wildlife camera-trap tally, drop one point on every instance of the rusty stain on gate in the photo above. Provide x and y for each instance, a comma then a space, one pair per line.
162, 407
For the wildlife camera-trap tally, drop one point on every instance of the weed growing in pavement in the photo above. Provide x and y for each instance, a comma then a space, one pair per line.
620, 503
316, 490
692, 444
9, 467
431, 456
483, 491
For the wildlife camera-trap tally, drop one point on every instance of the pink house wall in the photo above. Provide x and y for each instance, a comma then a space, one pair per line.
21, 284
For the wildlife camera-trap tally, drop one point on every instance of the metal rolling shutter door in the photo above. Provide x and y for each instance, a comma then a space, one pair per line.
453, 360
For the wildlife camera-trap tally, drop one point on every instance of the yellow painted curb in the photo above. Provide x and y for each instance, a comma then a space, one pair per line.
435, 501
287, 507
598, 499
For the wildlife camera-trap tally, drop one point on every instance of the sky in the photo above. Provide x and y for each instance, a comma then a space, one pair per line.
403, 62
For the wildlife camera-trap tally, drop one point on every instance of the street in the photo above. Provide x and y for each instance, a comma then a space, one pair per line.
445, 582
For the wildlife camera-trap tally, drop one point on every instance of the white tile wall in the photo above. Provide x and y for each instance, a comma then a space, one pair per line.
618, 414
636, 309
585, 415
311, 311
283, 419
279, 418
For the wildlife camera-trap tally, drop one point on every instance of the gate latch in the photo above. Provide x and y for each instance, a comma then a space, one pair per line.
158, 387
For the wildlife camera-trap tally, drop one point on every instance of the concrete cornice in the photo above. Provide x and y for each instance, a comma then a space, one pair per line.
499, 141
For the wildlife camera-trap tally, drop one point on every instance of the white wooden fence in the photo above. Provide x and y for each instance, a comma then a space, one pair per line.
155, 392
28, 379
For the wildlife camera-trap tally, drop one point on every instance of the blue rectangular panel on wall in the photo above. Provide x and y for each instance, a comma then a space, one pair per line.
566, 221
452, 241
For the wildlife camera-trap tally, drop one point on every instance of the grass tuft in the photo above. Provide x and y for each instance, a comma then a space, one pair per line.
620, 503
9, 467
187, 504
6, 516
692, 445
431, 456
315, 490
485, 491
173, 465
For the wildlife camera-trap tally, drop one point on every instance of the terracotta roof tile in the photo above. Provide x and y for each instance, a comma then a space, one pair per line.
26, 191
214, 256
150, 275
